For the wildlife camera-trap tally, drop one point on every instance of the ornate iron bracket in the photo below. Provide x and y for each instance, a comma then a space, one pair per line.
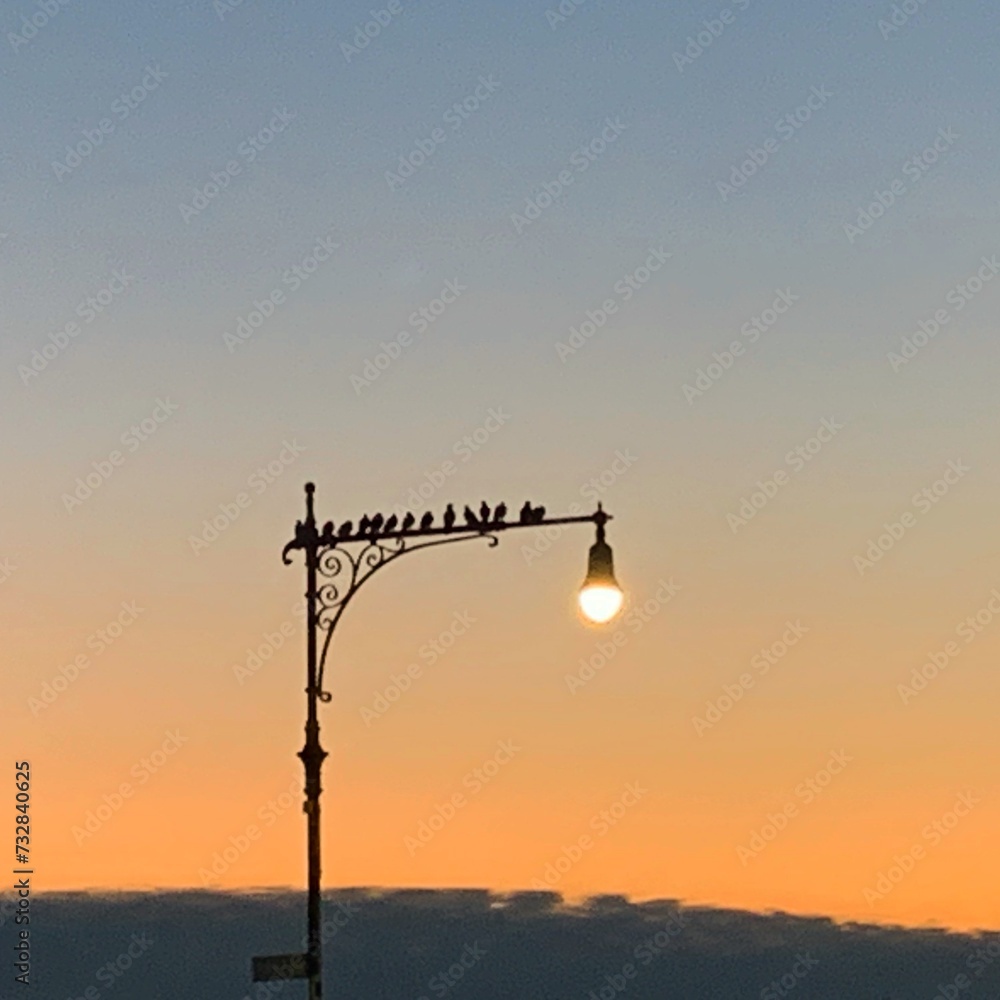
344, 571
343, 562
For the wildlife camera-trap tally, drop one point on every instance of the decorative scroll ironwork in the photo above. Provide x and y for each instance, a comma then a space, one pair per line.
343, 571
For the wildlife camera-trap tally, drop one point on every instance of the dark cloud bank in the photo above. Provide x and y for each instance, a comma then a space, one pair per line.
478, 945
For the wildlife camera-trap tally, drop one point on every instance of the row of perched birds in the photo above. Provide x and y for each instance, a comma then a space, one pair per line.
379, 525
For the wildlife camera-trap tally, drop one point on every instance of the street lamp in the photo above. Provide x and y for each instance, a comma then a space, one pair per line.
338, 561
600, 596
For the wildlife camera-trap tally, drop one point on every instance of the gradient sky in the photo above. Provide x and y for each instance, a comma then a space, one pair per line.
689, 461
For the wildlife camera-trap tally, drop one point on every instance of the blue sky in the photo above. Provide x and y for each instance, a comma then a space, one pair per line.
354, 119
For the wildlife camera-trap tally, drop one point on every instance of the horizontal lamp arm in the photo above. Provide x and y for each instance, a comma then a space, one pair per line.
304, 531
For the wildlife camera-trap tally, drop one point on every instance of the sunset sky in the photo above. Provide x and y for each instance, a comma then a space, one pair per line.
219, 222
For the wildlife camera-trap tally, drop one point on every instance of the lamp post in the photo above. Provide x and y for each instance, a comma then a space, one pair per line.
338, 561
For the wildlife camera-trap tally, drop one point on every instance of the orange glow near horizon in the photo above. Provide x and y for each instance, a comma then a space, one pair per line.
492, 743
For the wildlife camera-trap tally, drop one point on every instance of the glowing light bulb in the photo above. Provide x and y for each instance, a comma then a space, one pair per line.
600, 603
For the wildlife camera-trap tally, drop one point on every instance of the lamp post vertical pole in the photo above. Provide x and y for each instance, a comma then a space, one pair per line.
312, 755
323, 609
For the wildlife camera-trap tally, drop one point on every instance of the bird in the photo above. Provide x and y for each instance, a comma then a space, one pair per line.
408, 520
500, 513
426, 521
364, 525
390, 525
539, 515
470, 517
484, 512
328, 529
377, 521
526, 513
345, 530
449, 517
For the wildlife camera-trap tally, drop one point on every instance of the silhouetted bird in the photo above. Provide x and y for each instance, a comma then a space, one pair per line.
526, 513
390, 525
328, 529
470, 518
500, 513
539, 515
408, 521
449, 517
426, 521
377, 522
345, 530
484, 512
364, 525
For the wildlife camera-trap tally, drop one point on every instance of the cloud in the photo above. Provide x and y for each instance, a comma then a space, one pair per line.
385, 944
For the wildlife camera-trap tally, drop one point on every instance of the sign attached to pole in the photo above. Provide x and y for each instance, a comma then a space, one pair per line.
268, 967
